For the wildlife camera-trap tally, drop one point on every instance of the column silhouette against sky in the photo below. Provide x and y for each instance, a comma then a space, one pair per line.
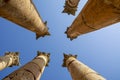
70, 6
78, 70
32, 70
96, 14
98, 49
9, 59
25, 14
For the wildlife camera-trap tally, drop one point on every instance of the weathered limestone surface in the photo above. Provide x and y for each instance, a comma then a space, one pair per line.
10, 59
78, 70
32, 70
24, 13
71, 6
95, 15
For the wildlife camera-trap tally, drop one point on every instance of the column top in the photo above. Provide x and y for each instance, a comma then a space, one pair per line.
66, 57
44, 33
70, 6
15, 58
47, 55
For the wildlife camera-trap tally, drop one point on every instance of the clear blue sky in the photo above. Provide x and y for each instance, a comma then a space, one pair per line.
100, 49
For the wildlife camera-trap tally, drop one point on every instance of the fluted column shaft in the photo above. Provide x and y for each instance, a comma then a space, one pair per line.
24, 13
10, 59
32, 70
80, 71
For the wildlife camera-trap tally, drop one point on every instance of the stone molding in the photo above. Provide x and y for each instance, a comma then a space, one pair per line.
70, 6
66, 57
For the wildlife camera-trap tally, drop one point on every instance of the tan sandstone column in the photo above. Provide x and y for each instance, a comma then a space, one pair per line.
70, 6
32, 70
95, 15
10, 59
78, 70
24, 13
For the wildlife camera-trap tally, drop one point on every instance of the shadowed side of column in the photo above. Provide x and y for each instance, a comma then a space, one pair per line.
95, 15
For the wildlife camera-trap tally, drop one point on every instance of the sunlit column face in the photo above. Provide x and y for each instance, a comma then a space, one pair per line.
9, 59
25, 14
32, 70
78, 70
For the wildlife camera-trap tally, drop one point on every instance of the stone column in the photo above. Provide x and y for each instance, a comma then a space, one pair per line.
32, 70
95, 15
10, 59
70, 6
78, 70
24, 13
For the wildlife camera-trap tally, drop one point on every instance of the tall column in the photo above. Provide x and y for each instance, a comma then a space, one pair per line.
70, 6
10, 59
78, 70
24, 13
95, 15
32, 70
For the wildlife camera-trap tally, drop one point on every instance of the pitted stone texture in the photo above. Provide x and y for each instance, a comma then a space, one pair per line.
95, 15
21, 75
30, 71
115, 3
80, 71
10, 59
24, 13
